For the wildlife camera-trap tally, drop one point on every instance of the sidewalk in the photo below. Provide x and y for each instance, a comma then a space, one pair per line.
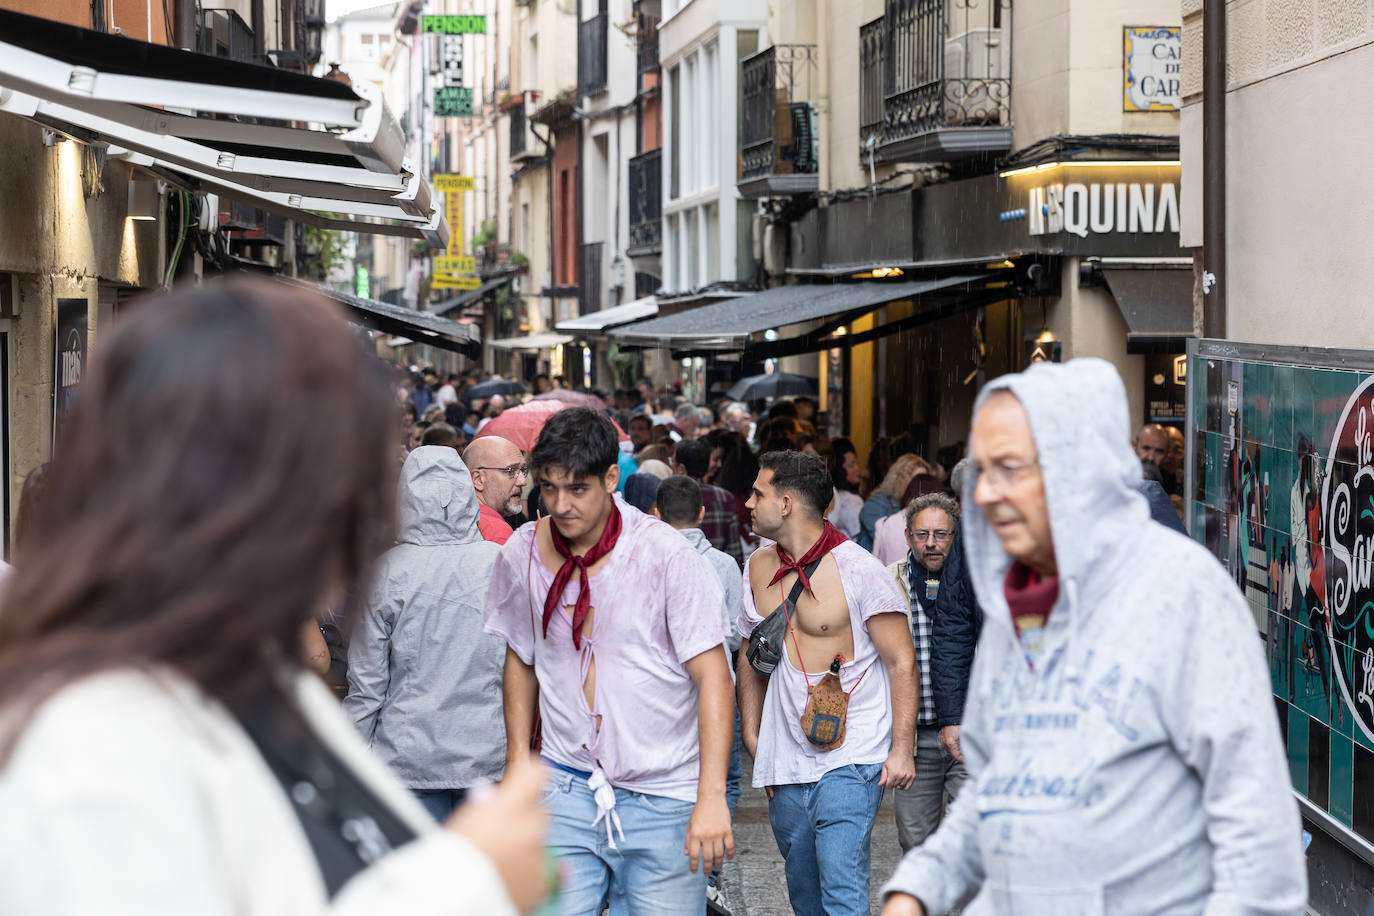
754, 884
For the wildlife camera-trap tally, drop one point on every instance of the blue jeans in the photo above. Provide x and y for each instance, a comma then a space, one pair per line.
440, 802
646, 875
823, 831
736, 771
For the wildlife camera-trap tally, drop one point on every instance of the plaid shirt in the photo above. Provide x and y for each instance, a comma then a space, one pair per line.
721, 522
916, 579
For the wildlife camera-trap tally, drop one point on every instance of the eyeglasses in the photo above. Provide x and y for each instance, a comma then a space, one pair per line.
513, 471
1005, 473
939, 534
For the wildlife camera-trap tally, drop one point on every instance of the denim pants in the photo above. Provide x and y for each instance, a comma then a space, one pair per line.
440, 803
823, 831
646, 875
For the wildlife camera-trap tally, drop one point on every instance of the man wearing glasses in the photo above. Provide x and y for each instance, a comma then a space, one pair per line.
1119, 731
498, 474
931, 522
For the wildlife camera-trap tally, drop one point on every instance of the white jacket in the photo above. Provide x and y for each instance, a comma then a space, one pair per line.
132, 793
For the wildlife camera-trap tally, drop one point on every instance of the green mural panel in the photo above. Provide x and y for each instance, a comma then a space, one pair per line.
1283, 496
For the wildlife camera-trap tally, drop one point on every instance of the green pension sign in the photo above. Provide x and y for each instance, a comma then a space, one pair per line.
452, 102
455, 25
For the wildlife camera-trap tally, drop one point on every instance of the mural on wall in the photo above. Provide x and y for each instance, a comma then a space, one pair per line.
1283, 496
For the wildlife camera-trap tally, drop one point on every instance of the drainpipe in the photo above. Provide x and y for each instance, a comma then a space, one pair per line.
1214, 169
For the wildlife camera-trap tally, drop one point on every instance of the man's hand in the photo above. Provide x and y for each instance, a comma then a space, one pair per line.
949, 740
903, 905
899, 771
510, 828
709, 837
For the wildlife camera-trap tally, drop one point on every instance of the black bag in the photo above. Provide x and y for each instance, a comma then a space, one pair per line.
766, 643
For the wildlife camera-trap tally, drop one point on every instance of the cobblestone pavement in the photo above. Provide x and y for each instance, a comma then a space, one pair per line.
754, 884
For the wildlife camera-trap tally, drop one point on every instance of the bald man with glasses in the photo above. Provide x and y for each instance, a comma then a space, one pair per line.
931, 523
498, 473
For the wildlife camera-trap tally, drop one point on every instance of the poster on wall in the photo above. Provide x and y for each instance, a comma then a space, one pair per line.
1283, 495
69, 361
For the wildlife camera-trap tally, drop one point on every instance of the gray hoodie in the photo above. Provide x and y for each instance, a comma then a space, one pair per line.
424, 681
1137, 768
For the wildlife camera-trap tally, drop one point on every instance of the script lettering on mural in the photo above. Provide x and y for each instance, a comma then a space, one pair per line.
1348, 537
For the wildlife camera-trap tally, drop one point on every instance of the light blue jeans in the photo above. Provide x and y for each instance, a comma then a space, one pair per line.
823, 831
646, 875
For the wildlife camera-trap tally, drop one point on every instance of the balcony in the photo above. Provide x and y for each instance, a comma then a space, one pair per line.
646, 203
591, 55
946, 80
519, 131
589, 280
646, 42
778, 135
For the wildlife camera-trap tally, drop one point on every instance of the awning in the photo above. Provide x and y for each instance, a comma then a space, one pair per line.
532, 342
614, 317
398, 321
732, 325
198, 116
472, 295
1157, 304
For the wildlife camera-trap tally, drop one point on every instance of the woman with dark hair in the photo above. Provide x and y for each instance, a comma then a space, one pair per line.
162, 750
846, 475
739, 468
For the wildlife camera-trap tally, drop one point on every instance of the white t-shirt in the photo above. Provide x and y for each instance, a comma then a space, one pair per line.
446, 395
784, 755
846, 513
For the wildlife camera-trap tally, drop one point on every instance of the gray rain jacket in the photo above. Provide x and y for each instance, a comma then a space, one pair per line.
424, 681
1137, 769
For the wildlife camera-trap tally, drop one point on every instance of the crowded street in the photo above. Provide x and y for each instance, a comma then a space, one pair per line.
678, 457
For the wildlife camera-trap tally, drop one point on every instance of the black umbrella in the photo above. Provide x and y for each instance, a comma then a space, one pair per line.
493, 387
772, 385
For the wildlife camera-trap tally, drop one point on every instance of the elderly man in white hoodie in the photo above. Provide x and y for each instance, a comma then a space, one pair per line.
1120, 736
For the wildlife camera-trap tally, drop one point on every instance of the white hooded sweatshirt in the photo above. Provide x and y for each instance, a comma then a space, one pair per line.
1137, 768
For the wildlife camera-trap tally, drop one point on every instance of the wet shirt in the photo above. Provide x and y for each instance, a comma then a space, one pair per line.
657, 605
785, 756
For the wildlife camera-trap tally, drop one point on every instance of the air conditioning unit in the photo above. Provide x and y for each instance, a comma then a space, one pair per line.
973, 60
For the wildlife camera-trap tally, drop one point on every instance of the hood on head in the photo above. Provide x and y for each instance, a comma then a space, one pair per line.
435, 498
1079, 419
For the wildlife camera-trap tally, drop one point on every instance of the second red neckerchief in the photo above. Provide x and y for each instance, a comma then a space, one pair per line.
572, 563
831, 537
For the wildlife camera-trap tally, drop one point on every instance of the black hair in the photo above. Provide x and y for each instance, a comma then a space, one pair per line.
453, 414
695, 456
679, 500
804, 476
642, 418
580, 440
805, 399
839, 447
783, 409
738, 466
441, 434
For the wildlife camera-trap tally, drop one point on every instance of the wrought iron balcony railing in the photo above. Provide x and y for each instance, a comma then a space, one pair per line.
778, 151
945, 79
647, 43
589, 280
591, 54
646, 202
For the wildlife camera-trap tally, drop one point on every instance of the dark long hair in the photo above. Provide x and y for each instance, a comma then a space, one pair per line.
191, 519
839, 447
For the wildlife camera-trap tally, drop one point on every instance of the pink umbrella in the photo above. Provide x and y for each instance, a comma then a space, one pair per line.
572, 398
522, 424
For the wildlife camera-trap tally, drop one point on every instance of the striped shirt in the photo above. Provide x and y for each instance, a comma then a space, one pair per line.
923, 588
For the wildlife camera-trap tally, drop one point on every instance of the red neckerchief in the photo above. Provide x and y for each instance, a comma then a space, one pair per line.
605, 545
831, 537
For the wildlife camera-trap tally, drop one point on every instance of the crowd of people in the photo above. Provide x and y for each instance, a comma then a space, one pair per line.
649, 596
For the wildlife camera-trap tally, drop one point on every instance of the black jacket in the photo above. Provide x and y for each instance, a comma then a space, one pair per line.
954, 635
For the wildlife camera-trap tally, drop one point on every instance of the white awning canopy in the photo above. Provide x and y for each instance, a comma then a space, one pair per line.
320, 151
615, 316
532, 342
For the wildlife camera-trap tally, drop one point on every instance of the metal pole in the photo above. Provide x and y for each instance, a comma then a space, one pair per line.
1214, 169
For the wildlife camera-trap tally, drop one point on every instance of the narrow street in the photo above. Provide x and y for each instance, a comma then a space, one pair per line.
754, 884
